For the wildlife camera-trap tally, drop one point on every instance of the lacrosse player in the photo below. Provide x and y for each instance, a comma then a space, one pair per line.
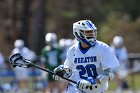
122, 55
64, 45
51, 58
22, 74
89, 62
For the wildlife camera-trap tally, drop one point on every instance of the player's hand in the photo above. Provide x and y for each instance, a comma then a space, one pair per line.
87, 85
59, 72
83, 84
56, 77
93, 82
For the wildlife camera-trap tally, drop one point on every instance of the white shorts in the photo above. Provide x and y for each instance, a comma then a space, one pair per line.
72, 89
21, 73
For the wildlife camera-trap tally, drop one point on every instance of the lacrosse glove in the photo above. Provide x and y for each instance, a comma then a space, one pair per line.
60, 72
87, 85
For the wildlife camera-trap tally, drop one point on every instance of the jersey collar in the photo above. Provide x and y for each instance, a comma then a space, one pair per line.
81, 49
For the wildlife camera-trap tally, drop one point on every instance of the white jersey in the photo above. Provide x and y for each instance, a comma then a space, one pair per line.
121, 53
23, 73
122, 56
90, 63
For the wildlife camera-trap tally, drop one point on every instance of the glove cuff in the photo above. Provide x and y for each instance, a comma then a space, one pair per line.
102, 78
68, 73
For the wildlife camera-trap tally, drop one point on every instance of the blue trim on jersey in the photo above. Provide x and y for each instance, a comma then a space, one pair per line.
67, 87
83, 50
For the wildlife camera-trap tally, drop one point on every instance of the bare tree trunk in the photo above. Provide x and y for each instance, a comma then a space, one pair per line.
14, 19
37, 26
25, 21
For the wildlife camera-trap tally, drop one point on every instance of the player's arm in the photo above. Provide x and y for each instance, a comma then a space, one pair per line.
108, 62
106, 76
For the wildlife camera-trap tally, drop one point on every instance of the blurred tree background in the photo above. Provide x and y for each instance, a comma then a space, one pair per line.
30, 20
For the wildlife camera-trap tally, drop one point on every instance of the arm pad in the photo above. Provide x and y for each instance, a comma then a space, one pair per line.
108, 75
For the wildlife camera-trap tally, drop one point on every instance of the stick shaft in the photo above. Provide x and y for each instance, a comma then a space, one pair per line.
47, 70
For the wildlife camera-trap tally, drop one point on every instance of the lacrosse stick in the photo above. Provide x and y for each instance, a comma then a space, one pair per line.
18, 60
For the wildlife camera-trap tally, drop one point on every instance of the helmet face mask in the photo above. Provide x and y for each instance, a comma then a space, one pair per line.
85, 31
89, 35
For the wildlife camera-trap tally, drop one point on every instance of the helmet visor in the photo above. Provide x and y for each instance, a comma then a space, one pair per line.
88, 34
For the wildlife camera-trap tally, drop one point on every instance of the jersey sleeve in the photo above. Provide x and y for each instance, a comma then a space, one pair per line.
68, 62
43, 56
108, 58
124, 55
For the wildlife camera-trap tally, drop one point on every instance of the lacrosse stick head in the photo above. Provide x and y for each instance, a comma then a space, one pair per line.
18, 60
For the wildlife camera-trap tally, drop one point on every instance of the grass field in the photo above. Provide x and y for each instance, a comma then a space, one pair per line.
133, 82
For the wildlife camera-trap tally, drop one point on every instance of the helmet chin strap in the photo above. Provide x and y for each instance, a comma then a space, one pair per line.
83, 45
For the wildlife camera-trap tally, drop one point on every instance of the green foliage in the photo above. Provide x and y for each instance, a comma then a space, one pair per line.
118, 24
68, 14
112, 17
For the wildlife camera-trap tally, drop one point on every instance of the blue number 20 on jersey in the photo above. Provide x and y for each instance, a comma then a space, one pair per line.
89, 69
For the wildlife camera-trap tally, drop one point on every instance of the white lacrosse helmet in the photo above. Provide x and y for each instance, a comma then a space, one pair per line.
50, 38
85, 31
69, 42
19, 43
62, 43
118, 41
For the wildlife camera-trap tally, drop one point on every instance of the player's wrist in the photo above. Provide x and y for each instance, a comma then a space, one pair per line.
102, 78
111, 76
97, 81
